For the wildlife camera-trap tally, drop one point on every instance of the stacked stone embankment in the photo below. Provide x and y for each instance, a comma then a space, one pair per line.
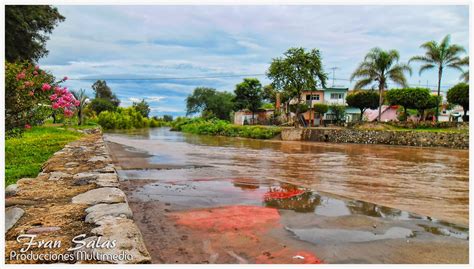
76, 193
457, 140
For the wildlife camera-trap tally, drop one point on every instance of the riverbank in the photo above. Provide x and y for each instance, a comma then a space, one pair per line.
456, 140
423, 135
76, 194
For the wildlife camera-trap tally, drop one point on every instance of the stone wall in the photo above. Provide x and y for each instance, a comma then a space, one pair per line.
404, 138
76, 193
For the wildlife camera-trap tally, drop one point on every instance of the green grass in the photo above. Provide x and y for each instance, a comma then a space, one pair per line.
25, 155
388, 127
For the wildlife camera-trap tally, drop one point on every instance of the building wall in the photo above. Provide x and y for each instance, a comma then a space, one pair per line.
329, 96
260, 116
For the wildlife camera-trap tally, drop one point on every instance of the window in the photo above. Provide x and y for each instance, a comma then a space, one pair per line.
312, 97
337, 96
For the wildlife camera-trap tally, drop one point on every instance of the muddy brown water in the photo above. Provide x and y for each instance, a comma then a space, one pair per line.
342, 203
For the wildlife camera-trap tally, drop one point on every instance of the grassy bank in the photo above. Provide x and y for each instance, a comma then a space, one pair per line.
414, 128
224, 128
25, 155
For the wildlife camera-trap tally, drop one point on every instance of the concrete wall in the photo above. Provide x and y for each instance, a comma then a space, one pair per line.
405, 138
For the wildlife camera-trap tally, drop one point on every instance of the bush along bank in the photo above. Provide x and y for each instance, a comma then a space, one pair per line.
127, 118
224, 128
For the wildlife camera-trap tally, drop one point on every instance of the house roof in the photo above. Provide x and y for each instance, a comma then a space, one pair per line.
327, 89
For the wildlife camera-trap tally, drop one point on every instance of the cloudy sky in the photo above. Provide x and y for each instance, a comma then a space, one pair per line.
183, 47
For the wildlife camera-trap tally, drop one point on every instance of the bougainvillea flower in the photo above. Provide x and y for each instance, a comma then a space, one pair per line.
46, 87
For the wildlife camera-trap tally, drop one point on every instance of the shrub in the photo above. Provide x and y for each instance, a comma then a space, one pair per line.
127, 118
224, 128
339, 112
31, 95
320, 109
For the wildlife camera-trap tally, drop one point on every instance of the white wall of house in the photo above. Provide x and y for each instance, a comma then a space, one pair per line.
335, 97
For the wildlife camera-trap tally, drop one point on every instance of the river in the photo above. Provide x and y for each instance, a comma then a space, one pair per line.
305, 202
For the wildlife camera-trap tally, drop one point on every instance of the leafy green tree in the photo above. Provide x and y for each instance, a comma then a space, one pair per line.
142, 107
99, 104
362, 100
297, 71
26, 31
320, 108
168, 118
339, 111
412, 98
459, 95
248, 95
379, 67
210, 103
441, 56
83, 99
425, 104
103, 91
25, 101
302, 108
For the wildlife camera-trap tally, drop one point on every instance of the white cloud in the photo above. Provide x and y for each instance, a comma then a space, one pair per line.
133, 99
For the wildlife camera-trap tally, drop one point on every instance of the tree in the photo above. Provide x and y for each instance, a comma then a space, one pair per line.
379, 67
30, 96
26, 31
320, 109
99, 104
363, 100
296, 72
424, 104
459, 95
103, 91
339, 111
440, 56
142, 107
248, 95
167, 118
83, 99
412, 98
465, 74
210, 103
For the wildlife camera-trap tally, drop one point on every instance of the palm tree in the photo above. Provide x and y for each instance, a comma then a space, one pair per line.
465, 74
82, 98
379, 67
442, 55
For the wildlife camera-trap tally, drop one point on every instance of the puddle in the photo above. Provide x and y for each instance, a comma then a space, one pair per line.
335, 236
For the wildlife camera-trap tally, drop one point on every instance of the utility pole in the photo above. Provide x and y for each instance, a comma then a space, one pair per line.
333, 74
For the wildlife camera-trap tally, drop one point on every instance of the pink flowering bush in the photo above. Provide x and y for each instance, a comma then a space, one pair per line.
32, 95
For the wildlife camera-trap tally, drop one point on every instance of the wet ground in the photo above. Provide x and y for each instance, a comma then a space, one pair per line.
200, 199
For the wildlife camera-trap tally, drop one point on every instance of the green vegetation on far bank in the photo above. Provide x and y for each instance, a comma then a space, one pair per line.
25, 155
224, 128
420, 127
128, 118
